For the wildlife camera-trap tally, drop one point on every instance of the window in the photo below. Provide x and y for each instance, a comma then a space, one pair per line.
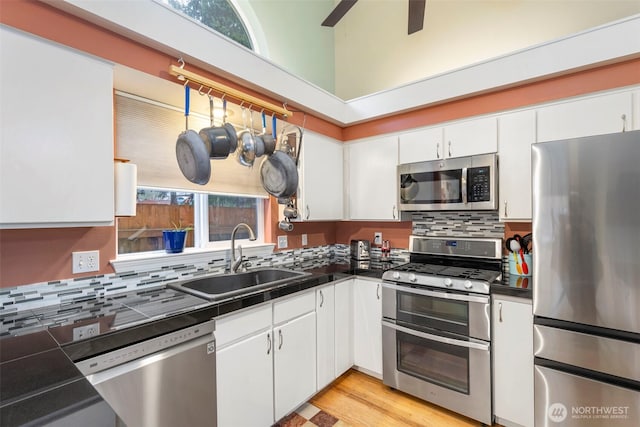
218, 15
211, 218
225, 212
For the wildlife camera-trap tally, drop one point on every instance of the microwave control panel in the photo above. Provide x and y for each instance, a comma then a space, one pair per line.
478, 184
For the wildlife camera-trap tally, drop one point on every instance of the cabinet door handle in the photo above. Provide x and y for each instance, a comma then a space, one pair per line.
505, 209
321, 298
393, 212
280, 338
449, 148
500, 312
378, 291
308, 212
438, 150
624, 122
268, 343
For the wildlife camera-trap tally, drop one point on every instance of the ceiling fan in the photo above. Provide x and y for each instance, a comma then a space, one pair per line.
415, 22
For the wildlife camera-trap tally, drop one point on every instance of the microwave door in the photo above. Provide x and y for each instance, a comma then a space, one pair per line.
432, 188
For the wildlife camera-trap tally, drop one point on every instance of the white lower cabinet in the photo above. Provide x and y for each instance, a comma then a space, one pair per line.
343, 326
245, 382
266, 361
512, 360
294, 363
325, 335
367, 326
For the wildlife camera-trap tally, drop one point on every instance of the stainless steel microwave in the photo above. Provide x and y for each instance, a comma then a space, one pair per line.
464, 183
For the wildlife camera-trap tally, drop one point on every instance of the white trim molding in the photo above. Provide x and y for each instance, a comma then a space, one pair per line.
205, 48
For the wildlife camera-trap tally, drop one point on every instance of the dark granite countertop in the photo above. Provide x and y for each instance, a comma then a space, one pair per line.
516, 286
38, 378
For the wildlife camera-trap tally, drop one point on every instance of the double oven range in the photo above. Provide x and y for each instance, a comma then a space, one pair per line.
436, 323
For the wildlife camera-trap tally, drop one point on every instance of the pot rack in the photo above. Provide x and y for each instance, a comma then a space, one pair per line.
226, 91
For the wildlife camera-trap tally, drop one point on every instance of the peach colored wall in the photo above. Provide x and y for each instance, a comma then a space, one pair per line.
44, 254
29, 256
396, 232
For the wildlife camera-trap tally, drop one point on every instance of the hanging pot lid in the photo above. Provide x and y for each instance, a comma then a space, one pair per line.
192, 152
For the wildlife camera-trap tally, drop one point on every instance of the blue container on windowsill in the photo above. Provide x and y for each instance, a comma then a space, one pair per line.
174, 240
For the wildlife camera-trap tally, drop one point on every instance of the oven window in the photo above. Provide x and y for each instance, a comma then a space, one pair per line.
437, 313
443, 364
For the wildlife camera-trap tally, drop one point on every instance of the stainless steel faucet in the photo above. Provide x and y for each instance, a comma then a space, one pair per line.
235, 263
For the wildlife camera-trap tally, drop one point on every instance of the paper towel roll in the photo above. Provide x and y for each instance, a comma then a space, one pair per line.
126, 182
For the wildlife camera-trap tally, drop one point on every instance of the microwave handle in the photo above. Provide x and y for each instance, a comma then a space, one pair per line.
464, 185
444, 340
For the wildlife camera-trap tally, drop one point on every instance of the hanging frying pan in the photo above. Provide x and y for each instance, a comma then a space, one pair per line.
279, 173
191, 151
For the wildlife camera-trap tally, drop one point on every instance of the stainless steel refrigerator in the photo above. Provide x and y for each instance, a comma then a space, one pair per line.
586, 265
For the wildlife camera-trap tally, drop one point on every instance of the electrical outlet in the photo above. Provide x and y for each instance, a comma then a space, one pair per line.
282, 242
84, 262
377, 238
304, 240
86, 331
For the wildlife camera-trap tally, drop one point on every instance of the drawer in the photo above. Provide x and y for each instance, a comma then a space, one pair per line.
238, 325
294, 307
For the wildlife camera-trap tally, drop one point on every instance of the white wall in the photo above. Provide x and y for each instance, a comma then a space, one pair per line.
374, 52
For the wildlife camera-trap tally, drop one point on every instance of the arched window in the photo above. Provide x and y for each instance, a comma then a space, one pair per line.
219, 15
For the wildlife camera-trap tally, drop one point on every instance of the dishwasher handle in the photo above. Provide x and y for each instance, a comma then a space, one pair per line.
203, 332
207, 343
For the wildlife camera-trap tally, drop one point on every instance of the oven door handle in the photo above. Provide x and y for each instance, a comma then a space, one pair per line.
443, 295
458, 343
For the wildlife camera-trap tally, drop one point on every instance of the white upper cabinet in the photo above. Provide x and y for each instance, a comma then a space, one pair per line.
421, 145
320, 189
594, 115
470, 137
516, 133
372, 165
56, 145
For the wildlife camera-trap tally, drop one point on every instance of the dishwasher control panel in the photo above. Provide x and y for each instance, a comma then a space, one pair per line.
147, 347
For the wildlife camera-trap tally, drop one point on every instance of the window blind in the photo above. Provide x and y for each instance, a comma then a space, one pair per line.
146, 134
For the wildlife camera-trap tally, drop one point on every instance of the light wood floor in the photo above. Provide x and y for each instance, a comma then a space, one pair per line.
360, 400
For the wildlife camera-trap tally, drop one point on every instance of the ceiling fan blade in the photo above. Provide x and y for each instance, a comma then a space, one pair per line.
337, 13
416, 15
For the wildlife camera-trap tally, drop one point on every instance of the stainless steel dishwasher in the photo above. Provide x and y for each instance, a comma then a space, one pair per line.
167, 381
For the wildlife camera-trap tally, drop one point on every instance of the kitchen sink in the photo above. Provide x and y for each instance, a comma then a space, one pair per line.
224, 286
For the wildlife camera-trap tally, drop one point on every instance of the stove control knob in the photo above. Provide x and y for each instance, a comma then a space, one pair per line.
412, 277
448, 282
396, 275
468, 284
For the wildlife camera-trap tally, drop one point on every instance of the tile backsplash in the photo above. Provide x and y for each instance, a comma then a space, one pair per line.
458, 224
29, 297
